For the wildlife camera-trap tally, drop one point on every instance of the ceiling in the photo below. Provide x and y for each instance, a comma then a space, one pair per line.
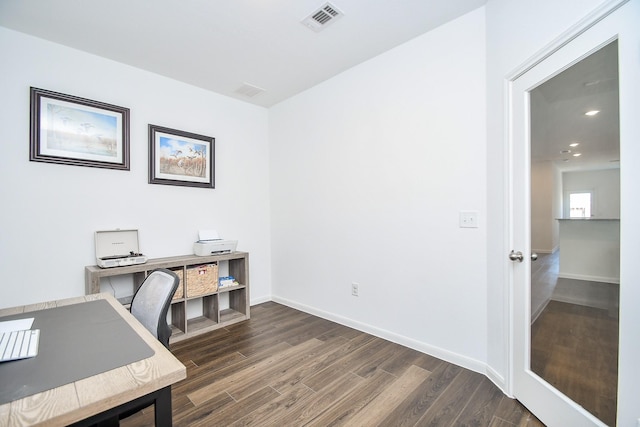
233, 47
558, 119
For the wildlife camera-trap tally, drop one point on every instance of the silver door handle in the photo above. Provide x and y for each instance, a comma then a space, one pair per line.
516, 256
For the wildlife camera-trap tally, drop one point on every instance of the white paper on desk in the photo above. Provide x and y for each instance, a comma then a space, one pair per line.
208, 235
16, 325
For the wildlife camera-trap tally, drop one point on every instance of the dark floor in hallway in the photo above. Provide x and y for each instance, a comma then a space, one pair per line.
575, 338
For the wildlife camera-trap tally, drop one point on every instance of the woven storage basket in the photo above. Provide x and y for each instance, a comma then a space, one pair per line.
180, 291
202, 279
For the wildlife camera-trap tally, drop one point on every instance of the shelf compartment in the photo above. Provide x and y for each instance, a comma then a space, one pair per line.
229, 315
200, 324
211, 308
224, 289
177, 334
201, 279
178, 316
180, 290
238, 300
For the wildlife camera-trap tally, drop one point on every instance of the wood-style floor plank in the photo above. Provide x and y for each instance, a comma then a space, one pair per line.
482, 406
287, 368
271, 412
254, 373
346, 408
391, 397
322, 400
575, 349
418, 402
446, 409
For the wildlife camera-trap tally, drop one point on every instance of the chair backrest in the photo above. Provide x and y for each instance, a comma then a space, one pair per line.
151, 302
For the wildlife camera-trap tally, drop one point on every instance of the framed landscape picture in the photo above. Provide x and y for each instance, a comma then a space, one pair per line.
181, 158
76, 131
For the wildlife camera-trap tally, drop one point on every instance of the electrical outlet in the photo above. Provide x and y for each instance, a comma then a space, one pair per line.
354, 289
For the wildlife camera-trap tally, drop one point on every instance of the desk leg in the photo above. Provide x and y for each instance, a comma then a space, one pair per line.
111, 422
164, 417
110, 418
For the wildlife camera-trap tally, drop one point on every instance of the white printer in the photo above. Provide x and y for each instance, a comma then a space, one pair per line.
209, 243
118, 248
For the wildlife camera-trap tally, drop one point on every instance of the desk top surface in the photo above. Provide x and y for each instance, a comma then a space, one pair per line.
77, 341
84, 397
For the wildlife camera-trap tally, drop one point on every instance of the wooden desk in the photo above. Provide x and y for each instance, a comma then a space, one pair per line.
101, 396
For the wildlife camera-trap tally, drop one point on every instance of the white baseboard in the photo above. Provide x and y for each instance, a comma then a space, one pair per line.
542, 251
546, 251
260, 300
498, 380
440, 353
615, 280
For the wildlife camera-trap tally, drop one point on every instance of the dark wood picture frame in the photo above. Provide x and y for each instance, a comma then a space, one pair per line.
70, 130
181, 158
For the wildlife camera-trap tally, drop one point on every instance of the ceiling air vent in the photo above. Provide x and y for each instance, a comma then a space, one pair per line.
325, 15
249, 90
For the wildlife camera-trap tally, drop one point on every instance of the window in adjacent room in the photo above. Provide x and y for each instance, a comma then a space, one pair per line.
580, 205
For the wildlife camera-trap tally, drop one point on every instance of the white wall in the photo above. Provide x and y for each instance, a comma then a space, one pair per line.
605, 185
369, 171
50, 212
590, 250
545, 184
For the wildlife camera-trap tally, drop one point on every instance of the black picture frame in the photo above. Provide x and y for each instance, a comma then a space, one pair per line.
181, 158
71, 130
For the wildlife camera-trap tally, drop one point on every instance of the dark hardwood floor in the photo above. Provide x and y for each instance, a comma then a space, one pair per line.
574, 337
575, 349
284, 367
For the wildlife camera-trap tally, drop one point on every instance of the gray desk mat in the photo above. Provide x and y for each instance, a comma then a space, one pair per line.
76, 341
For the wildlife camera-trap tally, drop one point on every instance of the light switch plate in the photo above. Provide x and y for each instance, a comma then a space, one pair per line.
468, 219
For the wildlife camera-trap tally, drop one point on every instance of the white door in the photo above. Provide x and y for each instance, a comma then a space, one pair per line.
549, 404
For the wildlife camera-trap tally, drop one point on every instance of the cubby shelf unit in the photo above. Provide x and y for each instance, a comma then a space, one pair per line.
213, 316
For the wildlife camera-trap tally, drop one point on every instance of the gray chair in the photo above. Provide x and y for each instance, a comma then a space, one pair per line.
151, 302
150, 305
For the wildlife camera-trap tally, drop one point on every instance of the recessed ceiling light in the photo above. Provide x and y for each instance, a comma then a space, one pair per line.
591, 113
574, 144
577, 154
565, 151
565, 160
